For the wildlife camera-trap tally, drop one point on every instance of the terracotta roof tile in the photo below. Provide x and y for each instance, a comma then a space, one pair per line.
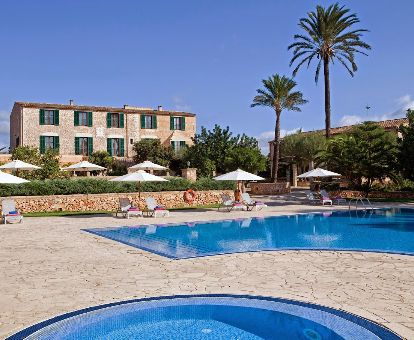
101, 108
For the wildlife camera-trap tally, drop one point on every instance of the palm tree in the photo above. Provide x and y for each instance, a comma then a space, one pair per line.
277, 94
328, 37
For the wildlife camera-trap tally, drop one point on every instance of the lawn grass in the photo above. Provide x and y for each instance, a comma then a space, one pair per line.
104, 212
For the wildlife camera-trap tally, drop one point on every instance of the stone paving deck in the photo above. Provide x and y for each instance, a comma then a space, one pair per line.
48, 266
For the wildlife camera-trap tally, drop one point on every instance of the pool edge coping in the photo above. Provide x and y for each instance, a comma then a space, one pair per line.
354, 318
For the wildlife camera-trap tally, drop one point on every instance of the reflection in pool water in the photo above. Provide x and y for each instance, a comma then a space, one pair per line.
385, 230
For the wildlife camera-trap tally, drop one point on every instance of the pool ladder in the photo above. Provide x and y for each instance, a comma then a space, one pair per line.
365, 202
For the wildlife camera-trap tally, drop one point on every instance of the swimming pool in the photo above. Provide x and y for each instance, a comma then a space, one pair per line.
207, 317
380, 230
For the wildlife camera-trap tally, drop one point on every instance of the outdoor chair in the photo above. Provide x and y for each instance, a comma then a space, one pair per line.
9, 212
252, 204
126, 209
313, 199
154, 209
229, 204
335, 200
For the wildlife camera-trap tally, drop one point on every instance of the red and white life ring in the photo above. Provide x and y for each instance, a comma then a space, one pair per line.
189, 196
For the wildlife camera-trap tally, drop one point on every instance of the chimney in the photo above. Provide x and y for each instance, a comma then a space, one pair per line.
70, 102
159, 108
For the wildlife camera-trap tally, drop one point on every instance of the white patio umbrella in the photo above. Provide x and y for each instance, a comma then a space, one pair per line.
6, 178
19, 165
239, 176
318, 172
84, 166
139, 176
147, 165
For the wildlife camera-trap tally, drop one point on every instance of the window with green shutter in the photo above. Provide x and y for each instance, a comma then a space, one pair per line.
121, 120
77, 146
56, 117
42, 117
76, 118
108, 120
48, 142
90, 146
177, 123
56, 143
109, 146
90, 123
148, 121
115, 120
121, 147
42, 146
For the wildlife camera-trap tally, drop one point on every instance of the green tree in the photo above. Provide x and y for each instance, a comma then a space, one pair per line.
49, 162
102, 158
213, 150
329, 35
246, 158
365, 154
279, 95
301, 148
406, 147
152, 150
26, 154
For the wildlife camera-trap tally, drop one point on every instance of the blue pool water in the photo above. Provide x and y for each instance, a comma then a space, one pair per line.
207, 317
382, 230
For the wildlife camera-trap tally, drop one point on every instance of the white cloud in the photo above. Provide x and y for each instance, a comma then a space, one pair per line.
350, 120
180, 105
402, 105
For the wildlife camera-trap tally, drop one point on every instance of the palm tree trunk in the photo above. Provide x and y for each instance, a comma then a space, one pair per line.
327, 98
276, 147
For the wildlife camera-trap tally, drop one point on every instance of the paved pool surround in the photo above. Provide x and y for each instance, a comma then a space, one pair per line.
48, 266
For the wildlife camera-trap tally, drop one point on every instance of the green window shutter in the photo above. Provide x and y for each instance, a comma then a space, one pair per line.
42, 117
56, 144
76, 118
121, 120
109, 146
56, 117
121, 147
90, 146
142, 121
171, 123
183, 123
154, 122
42, 147
77, 146
108, 120
173, 145
90, 119
182, 143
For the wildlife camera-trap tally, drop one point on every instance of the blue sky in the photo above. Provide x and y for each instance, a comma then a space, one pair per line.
206, 57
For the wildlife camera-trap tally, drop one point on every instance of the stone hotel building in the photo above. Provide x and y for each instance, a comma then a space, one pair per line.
79, 130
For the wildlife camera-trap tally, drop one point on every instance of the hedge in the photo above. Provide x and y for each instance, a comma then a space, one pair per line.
103, 186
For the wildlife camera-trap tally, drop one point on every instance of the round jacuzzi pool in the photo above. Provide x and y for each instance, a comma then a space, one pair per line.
207, 317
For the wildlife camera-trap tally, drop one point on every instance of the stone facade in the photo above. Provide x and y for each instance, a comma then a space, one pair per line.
25, 127
110, 202
374, 194
270, 188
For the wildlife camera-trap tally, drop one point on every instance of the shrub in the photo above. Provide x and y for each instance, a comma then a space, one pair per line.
101, 186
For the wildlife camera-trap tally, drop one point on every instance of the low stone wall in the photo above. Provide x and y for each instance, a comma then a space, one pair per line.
110, 202
270, 188
374, 194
